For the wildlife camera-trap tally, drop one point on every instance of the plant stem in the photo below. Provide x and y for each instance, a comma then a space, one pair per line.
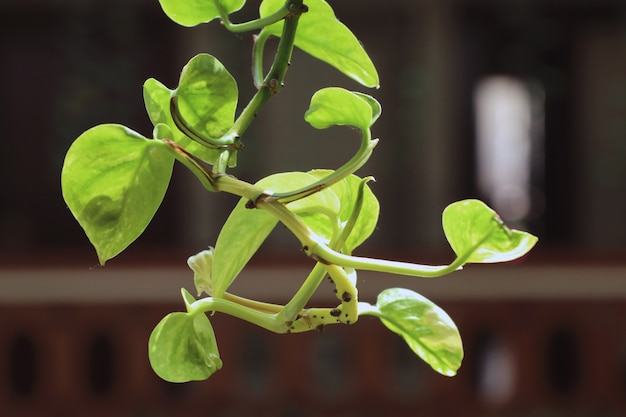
260, 318
356, 162
322, 251
255, 24
273, 82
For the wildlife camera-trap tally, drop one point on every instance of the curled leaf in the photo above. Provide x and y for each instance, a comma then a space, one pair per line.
334, 106
182, 348
476, 234
426, 328
202, 264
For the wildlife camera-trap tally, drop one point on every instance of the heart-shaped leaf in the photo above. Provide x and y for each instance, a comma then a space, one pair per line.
193, 12
182, 348
113, 181
334, 106
476, 234
426, 328
207, 96
157, 101
323, 36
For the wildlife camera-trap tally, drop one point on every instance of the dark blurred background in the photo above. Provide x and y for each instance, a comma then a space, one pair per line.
521, 103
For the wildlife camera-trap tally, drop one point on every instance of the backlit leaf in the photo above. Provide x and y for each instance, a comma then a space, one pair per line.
193, 12
207, 96
323, 36
113, 181
157, 101
334, 106
476, 232
182, 348
425, 327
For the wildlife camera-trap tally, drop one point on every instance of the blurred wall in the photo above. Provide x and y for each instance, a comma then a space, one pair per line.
547, 342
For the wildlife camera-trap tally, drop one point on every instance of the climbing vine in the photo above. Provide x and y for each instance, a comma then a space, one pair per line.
114, 180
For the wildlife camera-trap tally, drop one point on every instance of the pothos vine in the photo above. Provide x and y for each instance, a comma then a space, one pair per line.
114, 180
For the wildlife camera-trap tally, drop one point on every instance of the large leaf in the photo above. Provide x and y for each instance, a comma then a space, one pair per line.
193, 12
321, 35
426, 328
334, 106
246, 229
113, 181
182, 348
476, 232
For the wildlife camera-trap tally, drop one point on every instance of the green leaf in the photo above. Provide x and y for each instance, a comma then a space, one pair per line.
207, 99
207, 96
246, 229
374, 104
157, 100
241, 236
347, 190
182, 348
475, 232
334, 106
425, 327
193, 12
202, 265
323, 36
113, 181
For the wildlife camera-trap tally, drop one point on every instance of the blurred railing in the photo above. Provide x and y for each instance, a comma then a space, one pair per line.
540, 341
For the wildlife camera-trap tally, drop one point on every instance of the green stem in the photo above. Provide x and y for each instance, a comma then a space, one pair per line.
304, 294
273, 82
255, 24
322, 251
210, 180
356, 162
258, 50
253, 304
260, 318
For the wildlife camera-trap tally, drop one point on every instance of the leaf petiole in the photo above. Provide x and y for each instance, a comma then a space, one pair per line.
356, 162
256, 24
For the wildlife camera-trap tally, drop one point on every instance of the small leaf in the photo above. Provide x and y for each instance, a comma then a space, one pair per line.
475, 231
157, 101
426, 328
202, 264
182, 348
323, 36
334, 106
193, 12
207, 99
113, 181
207, 96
